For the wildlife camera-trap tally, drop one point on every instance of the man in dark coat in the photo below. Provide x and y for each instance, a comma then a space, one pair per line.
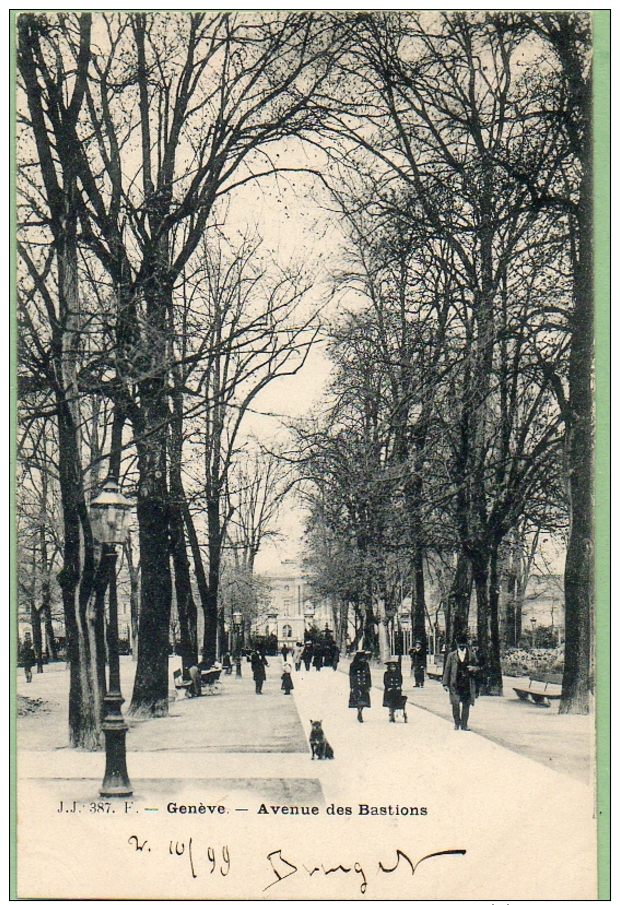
259, 663
459, 679
307, 655
418, 663
28, 659
360, 681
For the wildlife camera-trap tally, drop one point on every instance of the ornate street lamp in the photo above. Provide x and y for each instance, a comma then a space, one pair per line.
533, 620
238, 622
110, 523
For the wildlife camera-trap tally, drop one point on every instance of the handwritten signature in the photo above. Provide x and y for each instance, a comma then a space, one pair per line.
283, 868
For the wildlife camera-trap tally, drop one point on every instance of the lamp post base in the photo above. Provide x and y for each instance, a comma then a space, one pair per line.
116, 780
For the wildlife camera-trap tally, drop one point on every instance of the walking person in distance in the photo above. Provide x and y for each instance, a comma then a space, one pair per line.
418, 664
258, 663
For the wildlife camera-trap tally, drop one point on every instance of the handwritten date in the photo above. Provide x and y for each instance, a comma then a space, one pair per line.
181, 848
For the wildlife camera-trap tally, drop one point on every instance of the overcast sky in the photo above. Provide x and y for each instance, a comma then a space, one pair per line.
291, 214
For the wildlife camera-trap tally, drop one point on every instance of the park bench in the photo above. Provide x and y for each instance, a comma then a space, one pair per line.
538, 691
182, 684
210, 681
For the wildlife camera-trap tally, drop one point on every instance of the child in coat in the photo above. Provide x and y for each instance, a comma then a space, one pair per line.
287, 680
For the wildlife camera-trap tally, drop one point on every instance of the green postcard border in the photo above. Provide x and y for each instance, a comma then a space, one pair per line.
602, 144
602, 249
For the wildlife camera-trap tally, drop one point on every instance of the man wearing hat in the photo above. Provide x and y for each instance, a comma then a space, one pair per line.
418, 662
459, 680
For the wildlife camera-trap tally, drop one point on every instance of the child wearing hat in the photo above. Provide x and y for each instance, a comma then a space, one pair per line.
287, 679
393, 687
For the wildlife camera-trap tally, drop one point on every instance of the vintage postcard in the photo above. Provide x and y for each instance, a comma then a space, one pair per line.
306, 600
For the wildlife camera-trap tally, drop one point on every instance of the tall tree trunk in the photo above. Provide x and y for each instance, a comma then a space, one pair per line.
37, 639
97, 624
578, 682
134, 596
150, 692
493, 664
457, 617
186, 608
151, 428
45, 608
343, 626
215, 557
418, 610
480, 572
370, 620
384, 650
75, 579
48, 628
199, 569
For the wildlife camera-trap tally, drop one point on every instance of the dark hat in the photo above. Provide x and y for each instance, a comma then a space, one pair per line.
461, 638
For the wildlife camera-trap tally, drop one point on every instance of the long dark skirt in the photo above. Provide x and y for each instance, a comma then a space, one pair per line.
359, 697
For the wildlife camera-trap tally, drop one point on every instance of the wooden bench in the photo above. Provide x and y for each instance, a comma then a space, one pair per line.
182, 684
536, 694
210, 681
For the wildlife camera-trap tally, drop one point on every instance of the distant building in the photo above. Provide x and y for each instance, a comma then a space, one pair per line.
292, 607
544, 603
542, 608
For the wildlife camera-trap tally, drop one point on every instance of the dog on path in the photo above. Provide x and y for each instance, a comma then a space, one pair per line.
321, 748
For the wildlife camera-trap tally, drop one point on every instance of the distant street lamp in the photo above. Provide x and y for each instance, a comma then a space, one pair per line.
238, 622
110, 523
533, 620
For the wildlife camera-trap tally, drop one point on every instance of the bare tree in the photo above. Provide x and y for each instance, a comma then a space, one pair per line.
166, 114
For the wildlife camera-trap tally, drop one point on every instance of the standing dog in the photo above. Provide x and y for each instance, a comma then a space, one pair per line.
321, 748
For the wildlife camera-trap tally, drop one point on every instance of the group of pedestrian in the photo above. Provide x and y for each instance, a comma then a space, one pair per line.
259, 664
360, 682
460, 679
320, 653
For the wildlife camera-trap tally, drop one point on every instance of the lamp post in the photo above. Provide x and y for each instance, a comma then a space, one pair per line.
533, 620
237, 621
110, 522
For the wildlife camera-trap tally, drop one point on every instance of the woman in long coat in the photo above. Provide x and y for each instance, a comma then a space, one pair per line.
359, 681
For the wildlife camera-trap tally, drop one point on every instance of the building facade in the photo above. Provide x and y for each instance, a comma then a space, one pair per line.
292, 608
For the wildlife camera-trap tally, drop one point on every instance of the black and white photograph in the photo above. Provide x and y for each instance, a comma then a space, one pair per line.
307, 592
